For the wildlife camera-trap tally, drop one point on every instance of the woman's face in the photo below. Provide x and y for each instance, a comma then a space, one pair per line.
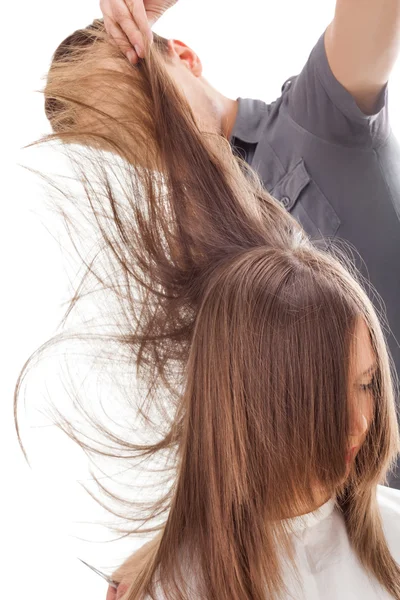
361, 393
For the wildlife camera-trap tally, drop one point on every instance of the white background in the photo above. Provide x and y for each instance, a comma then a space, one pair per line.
246, 52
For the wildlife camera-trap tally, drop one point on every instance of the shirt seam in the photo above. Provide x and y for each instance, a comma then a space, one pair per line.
320, 79
335, 144
390, 195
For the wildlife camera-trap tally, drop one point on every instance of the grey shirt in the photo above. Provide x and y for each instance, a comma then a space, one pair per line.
335, 169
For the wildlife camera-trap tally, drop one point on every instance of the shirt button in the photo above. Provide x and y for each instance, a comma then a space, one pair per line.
285, 201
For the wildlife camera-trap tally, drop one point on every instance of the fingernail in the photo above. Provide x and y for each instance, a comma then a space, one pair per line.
138, 50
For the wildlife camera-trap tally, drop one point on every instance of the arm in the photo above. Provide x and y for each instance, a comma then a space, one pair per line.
362, 45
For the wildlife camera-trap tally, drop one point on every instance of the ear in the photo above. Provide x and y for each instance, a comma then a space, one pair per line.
187, 56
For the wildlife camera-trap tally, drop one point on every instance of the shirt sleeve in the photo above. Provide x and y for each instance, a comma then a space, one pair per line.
319, 103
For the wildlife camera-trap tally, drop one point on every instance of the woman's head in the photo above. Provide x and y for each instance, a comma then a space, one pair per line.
282, 342
252, 342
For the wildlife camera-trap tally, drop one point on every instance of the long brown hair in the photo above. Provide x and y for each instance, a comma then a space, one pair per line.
239, 328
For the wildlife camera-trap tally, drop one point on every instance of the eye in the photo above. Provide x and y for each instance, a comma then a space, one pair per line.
368, 387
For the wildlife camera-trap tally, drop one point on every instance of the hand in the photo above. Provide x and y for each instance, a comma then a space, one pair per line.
116, 594
129, 23
129, 569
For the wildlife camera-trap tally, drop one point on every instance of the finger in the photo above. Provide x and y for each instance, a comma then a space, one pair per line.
111, 593
132, 33
138, 12
108, 25
125, 21
119, 38
121, 591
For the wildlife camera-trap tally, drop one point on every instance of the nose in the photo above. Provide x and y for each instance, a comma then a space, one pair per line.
359, 426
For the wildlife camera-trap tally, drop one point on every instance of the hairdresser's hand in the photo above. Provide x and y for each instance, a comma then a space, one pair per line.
116, 594
129, 23
126, 573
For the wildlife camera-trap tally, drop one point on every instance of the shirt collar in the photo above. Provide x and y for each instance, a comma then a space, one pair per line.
250, 120
301, 522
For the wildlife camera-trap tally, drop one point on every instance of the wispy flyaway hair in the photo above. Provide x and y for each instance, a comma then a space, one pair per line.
240, 331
